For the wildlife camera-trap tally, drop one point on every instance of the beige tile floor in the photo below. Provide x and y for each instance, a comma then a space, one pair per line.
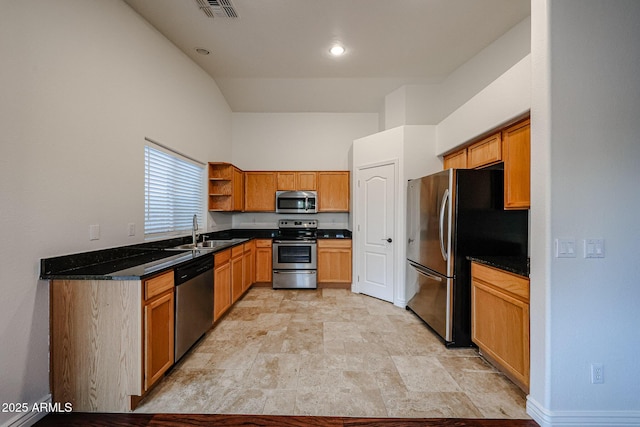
334, 353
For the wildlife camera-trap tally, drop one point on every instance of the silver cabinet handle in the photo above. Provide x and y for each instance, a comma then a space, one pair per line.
443, 205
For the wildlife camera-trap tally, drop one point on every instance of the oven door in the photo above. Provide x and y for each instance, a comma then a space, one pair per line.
294, 255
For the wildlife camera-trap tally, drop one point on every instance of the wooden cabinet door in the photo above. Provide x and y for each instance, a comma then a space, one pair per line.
238, 190
248, 265
457, 160
260, 191
484, 153
236, 273
307, 181
286, 181
334, 261
158, 337
333, 191
221, 284
264, 260
516, 147
500, 319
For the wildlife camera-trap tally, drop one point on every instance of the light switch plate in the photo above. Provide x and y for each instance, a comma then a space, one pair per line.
594, 248
566, 248
94, 232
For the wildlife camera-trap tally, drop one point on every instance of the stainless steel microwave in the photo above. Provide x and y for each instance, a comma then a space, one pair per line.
296, 201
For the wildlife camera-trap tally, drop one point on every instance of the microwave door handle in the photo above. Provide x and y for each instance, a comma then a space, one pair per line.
443, 205
306, 203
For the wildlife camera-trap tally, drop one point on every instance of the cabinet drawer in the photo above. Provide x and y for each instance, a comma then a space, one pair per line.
334, 243
513, 284
237, 251
222, 257
158, 285
263, 243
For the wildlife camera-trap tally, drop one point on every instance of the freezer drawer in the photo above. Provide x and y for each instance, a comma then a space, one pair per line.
433, 300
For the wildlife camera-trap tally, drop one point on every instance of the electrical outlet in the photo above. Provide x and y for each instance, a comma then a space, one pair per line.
597, 373
132, 229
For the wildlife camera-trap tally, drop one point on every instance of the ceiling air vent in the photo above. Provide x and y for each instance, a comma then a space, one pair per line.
218, 8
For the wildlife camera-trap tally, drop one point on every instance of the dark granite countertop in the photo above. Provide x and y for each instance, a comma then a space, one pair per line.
514, 264
143, 260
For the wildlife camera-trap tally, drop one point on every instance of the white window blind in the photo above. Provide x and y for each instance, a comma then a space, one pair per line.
174, 192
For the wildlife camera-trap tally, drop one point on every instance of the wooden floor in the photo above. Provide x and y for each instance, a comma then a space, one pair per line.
135, 420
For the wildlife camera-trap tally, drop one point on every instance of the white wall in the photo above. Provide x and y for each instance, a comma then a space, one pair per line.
505, 98
81, 84
587, 62
297, 141
430, 104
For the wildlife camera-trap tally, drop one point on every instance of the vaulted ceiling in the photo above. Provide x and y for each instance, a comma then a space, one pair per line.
274, 56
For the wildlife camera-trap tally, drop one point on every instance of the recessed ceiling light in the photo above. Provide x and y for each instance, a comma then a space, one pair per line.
202, 51
336, 50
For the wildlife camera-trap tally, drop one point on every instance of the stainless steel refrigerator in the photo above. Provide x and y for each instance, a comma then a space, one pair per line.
451, 215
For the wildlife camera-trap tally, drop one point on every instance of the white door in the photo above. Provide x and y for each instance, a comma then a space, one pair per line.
376, 197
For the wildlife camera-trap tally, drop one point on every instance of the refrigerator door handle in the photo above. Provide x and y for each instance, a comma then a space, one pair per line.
424, 273
443, 205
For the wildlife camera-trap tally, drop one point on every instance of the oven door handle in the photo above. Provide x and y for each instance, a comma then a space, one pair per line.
294, 272
295, 242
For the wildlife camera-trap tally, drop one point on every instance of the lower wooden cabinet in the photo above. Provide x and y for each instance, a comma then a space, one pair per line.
334, 261
237, 270
500, 320
221, 283
159, 327
110, 340
248, 264
264, 260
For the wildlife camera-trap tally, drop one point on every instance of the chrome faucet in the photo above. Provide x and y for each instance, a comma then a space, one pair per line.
194, 236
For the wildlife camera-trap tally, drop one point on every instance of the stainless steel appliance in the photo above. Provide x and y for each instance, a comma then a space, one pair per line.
295, 255
296, 202
194, 302
451, 215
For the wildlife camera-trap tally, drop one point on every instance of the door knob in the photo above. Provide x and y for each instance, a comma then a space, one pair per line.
389, 240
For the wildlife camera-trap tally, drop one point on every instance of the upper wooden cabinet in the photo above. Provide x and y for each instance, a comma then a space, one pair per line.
297, 181
457, 160
485, 152
511, 145
333, 191
226, 187
260, 191
516, 151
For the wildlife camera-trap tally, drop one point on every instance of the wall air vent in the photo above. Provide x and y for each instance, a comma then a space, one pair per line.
217, 8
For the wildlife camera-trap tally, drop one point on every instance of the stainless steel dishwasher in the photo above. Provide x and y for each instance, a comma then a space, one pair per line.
194, 302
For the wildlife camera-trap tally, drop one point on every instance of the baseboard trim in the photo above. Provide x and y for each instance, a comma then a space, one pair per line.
25, 419
547, 418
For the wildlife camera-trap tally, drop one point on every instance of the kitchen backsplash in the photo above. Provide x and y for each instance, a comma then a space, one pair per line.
270, 220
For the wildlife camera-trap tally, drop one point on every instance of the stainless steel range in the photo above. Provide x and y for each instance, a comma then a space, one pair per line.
295, 256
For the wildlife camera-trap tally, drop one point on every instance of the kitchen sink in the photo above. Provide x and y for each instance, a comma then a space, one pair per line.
207, 245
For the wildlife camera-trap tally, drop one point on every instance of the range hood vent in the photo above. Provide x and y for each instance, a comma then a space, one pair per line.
218, 8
